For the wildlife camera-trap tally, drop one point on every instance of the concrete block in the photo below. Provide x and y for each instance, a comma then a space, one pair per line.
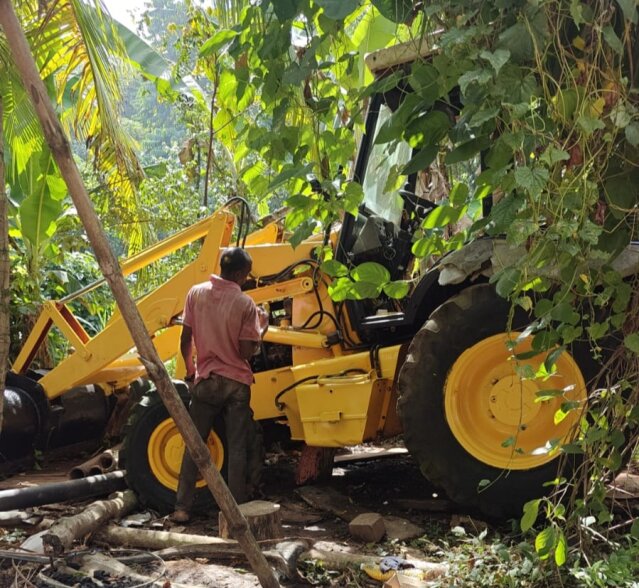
368, 527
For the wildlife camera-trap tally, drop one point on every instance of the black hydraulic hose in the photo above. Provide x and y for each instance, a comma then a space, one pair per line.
280, 405
241, 226
17, 498
275, 277
245, 218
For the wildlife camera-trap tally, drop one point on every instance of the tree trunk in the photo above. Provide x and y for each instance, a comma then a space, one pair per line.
264, 520
111, 270
4, 272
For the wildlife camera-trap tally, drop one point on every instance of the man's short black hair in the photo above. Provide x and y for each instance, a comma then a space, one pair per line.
234, 259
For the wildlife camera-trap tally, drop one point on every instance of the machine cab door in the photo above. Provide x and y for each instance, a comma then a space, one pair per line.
388, 216
391, 213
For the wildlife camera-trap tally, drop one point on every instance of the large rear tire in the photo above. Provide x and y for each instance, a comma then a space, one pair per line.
469, 418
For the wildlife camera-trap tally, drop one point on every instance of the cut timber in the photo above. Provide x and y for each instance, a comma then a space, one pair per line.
341, 561
62, 535
264, 520
145, 539
282, 554
315, 463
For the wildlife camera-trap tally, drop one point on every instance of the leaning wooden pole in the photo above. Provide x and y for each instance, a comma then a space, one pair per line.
5, 295
59, 145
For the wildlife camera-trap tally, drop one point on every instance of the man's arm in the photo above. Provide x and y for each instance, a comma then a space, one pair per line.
186, 349
249, 348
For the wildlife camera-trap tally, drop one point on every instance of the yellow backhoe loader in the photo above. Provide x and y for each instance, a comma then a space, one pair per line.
436, 365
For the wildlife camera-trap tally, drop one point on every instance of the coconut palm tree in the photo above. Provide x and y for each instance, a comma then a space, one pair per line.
78, 52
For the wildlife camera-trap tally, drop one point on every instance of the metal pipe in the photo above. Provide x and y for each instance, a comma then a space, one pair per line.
99, 464
61, 491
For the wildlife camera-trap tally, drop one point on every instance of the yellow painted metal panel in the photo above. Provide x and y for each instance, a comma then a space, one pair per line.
335, 413
280, 290
33, 342
273, 258
266, 387
271, 233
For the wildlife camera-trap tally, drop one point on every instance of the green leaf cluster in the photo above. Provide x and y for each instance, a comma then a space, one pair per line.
367, 280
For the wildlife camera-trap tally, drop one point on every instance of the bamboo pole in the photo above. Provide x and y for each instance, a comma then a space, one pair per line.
4, 271
111, 270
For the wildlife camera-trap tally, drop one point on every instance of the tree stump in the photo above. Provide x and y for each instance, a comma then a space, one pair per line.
264, 520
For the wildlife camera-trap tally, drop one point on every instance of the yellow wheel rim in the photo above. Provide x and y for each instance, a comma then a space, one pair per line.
488, 405
166, 449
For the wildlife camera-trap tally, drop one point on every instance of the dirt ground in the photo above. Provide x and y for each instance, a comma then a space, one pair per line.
416, 517
391, 486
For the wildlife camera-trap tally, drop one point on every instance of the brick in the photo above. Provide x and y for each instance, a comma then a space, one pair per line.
368, 527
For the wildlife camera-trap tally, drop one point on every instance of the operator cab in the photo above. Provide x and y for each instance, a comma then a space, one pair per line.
389, 216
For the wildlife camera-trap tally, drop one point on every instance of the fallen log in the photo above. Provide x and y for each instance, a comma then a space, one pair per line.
68, 529
341, 561
17, 498
18, 517
281, 553
146, 539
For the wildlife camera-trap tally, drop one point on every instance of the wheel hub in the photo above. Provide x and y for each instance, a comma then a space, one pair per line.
166, 450
512, 401
497, 416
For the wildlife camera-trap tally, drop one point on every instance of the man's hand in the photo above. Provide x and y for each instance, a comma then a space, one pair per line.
263, 317
190, 381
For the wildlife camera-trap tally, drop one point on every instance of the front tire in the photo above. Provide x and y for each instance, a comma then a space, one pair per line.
152, 455
467, 415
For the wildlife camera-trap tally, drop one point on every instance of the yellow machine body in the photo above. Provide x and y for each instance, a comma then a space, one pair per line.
335, 406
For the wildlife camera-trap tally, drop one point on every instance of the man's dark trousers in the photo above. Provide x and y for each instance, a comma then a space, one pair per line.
211, 396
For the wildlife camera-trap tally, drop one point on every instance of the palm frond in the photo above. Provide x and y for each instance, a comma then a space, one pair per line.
74, 43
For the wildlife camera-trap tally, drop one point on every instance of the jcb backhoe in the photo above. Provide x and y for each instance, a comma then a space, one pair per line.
435, 365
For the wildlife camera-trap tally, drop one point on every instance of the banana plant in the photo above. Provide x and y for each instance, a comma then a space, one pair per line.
78, 48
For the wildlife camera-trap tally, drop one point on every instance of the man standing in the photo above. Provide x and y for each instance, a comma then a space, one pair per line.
226, 327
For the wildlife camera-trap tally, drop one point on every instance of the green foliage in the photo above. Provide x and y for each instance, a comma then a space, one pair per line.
367, 280
620, 567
